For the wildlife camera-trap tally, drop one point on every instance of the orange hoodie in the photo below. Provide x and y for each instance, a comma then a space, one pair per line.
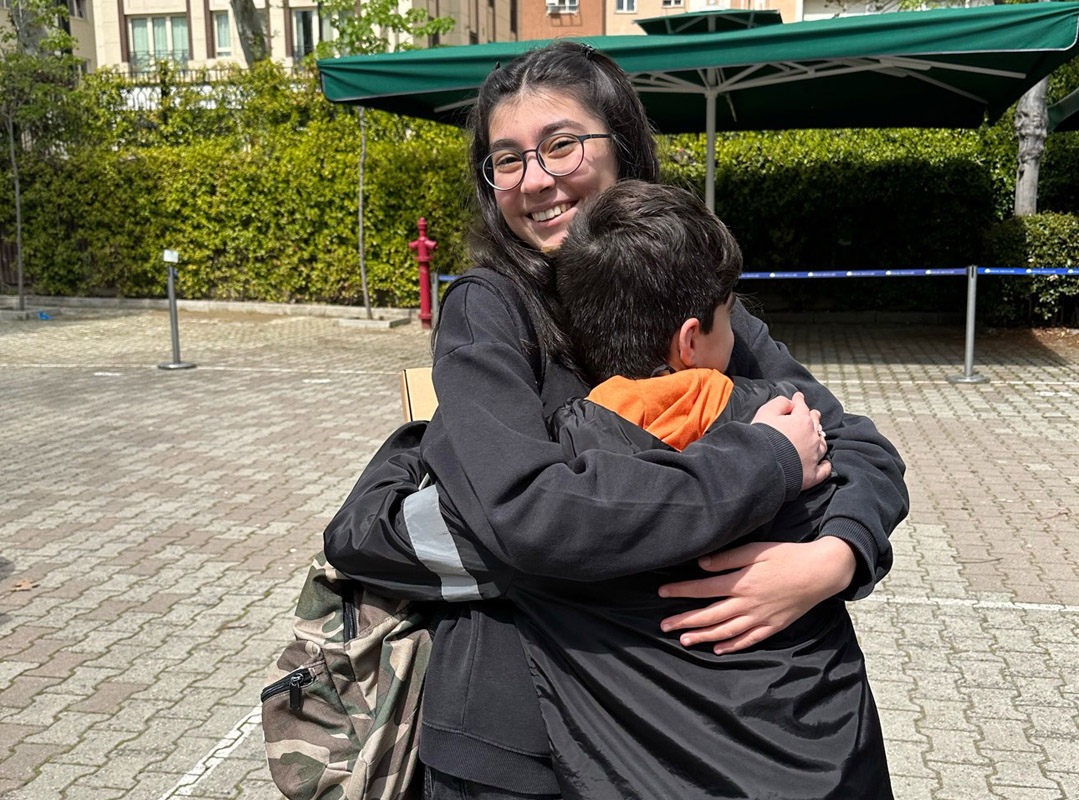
677, 408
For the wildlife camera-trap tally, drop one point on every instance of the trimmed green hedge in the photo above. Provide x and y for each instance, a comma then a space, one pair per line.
1041, 240
852, 200
255, 185
260, 213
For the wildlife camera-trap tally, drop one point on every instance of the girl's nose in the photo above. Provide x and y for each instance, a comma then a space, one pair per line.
536, 178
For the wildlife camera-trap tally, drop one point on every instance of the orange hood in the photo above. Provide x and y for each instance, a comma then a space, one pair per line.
677, 408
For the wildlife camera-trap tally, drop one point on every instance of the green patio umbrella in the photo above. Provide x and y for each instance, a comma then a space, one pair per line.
941, 68
1064, 115
709, 21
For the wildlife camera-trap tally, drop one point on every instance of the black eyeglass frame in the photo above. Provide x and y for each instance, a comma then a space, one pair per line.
487, 169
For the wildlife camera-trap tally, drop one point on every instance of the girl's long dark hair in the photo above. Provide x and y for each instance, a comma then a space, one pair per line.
600, 86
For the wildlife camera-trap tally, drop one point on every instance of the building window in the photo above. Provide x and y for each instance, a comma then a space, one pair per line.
158, 39
672, 3
303, 33
563, 6
309, 28
222, 35
627, 6
76, 8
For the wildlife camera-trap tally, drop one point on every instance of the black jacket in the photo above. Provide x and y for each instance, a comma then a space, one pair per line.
520, 508
632, 714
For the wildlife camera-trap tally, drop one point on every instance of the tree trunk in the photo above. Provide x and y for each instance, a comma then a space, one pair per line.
29, 31
359, 213
18, 209
251, 31
1031, 127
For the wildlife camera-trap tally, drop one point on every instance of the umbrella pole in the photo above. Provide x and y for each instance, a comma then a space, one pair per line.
710, 159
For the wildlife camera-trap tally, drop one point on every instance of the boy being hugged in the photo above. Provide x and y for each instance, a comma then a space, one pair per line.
646, 277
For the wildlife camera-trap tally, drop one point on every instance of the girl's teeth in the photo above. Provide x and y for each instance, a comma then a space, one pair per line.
550, 213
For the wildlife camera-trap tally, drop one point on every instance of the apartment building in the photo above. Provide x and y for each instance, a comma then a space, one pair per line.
133, 34
550, 19
622, 15
80, 23
477, 20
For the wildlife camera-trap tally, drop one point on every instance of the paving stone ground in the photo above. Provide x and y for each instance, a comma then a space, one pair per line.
155, 528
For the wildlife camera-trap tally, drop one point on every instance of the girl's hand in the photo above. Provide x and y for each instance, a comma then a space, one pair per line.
801, 425
772, 585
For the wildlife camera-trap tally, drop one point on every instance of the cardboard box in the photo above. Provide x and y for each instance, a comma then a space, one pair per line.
418, 393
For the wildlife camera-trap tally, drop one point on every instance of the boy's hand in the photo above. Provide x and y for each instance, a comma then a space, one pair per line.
772, 585
801, 425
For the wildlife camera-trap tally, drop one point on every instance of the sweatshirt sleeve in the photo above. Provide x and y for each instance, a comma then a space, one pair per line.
386, 536
871, 496
599, 515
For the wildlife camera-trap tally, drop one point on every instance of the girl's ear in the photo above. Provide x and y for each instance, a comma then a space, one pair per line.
684, 345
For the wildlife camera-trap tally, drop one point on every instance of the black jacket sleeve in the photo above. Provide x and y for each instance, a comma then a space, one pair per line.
871, 496
393, 535
600, 515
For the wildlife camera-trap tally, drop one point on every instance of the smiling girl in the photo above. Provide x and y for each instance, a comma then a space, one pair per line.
551, 130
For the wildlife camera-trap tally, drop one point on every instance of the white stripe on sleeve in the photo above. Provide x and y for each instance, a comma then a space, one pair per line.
434, 545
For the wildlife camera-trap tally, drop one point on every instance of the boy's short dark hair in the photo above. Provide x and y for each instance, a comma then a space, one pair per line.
638, 260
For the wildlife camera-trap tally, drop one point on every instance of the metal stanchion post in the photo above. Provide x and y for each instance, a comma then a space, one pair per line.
969, 375
171, 257
434, 300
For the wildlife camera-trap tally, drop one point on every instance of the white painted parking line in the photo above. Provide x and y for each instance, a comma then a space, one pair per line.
185, 787
996, 605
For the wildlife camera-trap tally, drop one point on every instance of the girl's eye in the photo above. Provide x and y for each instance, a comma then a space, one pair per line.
506, 159
560, 144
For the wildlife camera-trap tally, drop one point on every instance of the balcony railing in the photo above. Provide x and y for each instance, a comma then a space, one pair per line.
146, 63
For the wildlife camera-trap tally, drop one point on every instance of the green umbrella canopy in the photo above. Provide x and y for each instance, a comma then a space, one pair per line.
709, 21
940, 68
1064, 115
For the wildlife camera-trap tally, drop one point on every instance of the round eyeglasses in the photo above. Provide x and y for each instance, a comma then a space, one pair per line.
559, 154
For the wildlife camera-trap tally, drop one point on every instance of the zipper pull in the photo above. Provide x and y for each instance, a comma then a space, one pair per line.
295, 694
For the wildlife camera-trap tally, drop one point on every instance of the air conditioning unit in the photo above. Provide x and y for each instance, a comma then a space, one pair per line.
552, 6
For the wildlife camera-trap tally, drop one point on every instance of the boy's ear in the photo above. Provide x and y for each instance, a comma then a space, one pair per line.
684, 345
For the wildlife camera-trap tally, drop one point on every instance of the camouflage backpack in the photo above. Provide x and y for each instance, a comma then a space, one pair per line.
341, 713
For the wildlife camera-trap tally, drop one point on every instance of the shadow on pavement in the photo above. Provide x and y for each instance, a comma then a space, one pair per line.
885, 343
7, 568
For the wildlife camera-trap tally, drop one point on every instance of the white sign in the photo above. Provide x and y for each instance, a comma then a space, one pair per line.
171, 257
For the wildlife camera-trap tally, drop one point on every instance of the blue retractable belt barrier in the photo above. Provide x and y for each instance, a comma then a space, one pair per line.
852, 273
883, 273
1030, 271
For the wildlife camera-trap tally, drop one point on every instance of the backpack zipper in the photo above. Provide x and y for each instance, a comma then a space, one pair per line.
293, 683
348, 607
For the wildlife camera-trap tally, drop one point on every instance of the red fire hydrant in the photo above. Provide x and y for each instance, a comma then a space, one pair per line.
424, 247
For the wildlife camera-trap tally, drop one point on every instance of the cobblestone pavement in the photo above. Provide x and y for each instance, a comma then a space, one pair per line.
155, 528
